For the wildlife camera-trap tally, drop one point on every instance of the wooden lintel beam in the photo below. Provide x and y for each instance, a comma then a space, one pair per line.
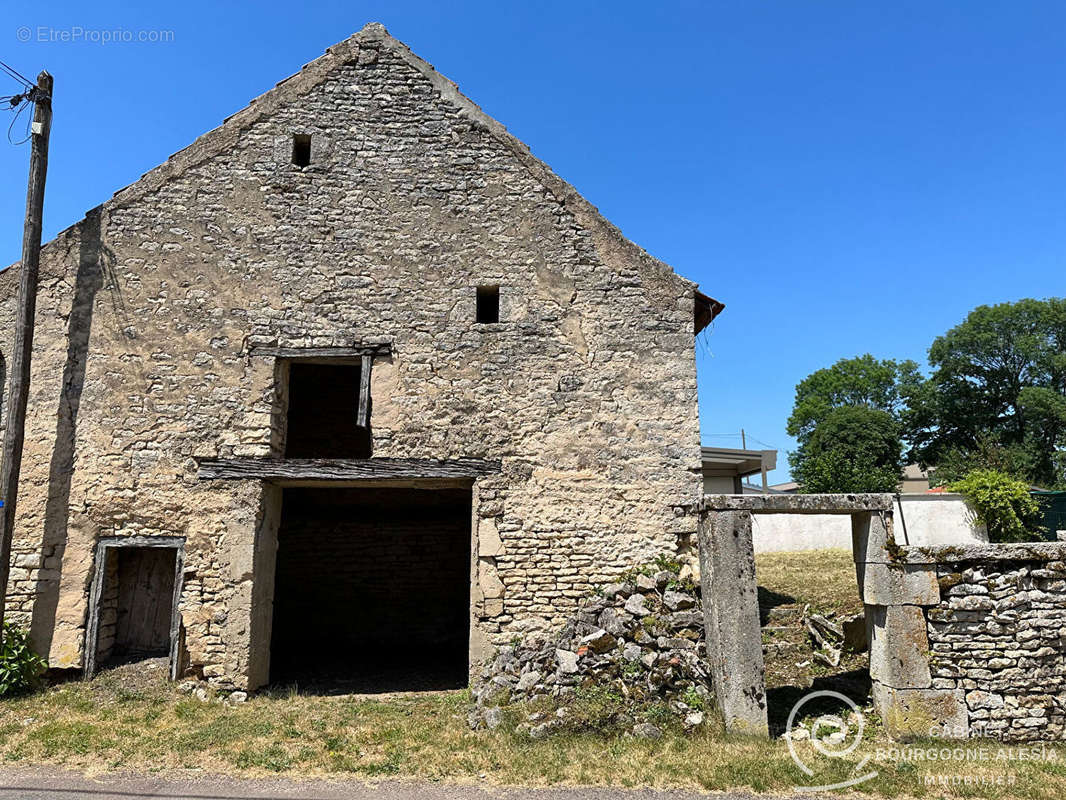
323, 352
354, 469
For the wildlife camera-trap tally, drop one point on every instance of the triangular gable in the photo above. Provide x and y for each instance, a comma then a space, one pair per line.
357, 49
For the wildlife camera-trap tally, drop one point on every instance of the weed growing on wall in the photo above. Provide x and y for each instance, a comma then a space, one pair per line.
20, 668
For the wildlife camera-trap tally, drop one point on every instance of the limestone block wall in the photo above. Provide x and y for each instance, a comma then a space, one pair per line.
150, 308
968, 641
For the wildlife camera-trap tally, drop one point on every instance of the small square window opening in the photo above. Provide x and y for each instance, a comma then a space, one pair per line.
488, 304
301, 149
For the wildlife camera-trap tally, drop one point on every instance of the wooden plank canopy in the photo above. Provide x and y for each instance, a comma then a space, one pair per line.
342, 469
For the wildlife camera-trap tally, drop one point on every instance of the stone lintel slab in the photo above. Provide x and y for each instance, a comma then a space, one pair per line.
953, 553
898, 584
919, 713
899, 647
731, 620
797, 503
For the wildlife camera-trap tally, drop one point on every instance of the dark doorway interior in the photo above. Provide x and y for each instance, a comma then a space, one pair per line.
324, 412
372, 590
136, 604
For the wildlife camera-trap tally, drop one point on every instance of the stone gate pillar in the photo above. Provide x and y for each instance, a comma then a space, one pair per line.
731, 620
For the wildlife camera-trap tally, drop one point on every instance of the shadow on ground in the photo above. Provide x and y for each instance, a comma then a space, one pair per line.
370, 673
855, 685
769, 600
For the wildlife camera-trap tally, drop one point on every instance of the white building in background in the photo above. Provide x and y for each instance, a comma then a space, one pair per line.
724, 468
922, 517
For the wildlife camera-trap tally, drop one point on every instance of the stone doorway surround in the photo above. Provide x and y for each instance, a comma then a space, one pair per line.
277, 474
965, 640
107, 549
730, 589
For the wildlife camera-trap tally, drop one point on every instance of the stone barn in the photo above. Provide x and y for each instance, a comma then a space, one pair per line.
352, 377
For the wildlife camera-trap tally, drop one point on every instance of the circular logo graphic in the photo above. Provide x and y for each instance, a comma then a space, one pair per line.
831, 736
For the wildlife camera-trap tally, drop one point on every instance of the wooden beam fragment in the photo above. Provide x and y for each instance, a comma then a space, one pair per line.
323, 352
363, 419
342, 469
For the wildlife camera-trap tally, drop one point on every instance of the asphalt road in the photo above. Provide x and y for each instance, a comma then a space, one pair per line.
54, 784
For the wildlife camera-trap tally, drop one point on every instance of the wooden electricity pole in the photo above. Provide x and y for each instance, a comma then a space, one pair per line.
19, 382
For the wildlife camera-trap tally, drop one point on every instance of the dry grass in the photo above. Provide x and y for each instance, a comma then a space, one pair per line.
107, 725
137, 721
824, 579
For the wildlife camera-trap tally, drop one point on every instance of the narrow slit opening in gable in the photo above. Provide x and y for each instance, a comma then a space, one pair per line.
488, 304
301, 149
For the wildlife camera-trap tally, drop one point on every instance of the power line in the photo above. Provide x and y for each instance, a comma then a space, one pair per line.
17, 76
738, 436
19, 102
18, 112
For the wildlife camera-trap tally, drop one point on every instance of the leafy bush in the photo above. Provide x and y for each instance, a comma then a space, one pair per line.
1002, 503
20, 668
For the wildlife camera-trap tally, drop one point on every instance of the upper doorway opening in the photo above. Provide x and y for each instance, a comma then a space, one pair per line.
324, 415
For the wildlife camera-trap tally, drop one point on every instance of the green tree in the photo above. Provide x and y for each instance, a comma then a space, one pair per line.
852, 449
997, 395
861, 381
847, 420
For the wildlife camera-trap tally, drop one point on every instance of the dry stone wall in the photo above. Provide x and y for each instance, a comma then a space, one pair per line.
149, 309
968, 641
999, 635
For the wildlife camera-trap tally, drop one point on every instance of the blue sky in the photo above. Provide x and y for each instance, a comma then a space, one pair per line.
846, 176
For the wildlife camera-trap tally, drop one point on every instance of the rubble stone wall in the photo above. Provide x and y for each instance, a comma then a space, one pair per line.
999, 635
149, 308
968, 641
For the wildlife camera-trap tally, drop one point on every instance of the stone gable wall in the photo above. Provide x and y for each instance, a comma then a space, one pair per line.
148, 310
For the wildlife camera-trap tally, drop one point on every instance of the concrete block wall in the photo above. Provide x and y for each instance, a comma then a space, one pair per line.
930, 519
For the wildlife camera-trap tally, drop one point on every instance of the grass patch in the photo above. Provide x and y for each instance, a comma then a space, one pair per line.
95, 726
823, 579
146, 725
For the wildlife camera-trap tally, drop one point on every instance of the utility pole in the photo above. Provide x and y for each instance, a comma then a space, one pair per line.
19, 382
